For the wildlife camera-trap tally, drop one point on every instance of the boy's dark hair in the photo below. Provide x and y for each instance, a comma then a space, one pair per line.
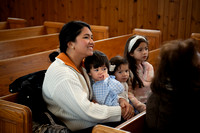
117, 60
98, 59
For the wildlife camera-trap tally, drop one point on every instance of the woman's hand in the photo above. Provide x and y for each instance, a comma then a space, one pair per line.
127, 109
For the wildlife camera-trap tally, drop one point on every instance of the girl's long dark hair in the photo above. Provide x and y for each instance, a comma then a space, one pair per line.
132, 61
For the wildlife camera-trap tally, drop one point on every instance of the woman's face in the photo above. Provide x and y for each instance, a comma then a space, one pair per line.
84, 43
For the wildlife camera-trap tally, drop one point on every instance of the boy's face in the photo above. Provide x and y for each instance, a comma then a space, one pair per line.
99, 73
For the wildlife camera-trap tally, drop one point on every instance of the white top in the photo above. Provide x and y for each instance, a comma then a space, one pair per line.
67, 96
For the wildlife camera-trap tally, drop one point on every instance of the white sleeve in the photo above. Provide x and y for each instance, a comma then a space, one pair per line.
70, 95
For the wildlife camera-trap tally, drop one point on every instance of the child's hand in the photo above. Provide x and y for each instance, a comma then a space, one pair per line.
94, 101
105, 76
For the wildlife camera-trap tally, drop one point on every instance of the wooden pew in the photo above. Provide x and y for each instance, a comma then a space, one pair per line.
153, 36
16, 117
112, 46
30, 45
13, 68
153, 58
48, 28
12, 23
133, 125
195, 36
100, 32
106, 129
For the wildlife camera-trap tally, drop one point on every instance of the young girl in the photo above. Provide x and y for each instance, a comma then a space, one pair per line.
136, 52
119, 67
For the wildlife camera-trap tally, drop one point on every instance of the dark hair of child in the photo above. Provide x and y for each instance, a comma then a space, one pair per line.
117, 60
98, 59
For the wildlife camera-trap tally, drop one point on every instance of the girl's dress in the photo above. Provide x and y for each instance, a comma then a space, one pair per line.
146, 73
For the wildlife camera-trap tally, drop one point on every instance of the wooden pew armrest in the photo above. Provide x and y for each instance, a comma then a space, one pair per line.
106, 129
135, 124
15, 117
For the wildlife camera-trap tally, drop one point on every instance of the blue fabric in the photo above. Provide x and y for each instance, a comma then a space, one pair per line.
106, 91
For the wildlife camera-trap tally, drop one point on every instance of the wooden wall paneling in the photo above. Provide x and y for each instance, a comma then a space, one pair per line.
152, 9
39, 10
160, 16
173, 19
182, 19
189, 16
113, 19
95, 17
28, 12
195, 19
62, 10
166, 18
104, 18
132, 13
140, 14
145, 15
4, 10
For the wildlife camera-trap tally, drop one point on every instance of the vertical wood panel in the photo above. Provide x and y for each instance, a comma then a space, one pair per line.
195, 18
166, 20
182, 19
188, 21
175, 18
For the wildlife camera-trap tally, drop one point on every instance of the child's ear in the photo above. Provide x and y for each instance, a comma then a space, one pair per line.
89, 74
131, 54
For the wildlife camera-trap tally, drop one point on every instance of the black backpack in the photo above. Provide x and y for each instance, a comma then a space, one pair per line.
29, 88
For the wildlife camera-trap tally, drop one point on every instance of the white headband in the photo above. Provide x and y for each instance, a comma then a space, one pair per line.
132, 42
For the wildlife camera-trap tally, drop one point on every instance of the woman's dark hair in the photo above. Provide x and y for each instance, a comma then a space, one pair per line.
132, 61
178, 67
53, 55
98, 59
69, 32
117, 61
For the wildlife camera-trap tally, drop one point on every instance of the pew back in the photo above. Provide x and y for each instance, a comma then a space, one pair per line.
15, 118
153, 58
112, 46
100, 32
13, 23
48, 28
30, 45
153, 36
13, 68
195, 36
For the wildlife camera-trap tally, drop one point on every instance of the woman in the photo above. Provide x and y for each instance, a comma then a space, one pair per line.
66, 87
173, 105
